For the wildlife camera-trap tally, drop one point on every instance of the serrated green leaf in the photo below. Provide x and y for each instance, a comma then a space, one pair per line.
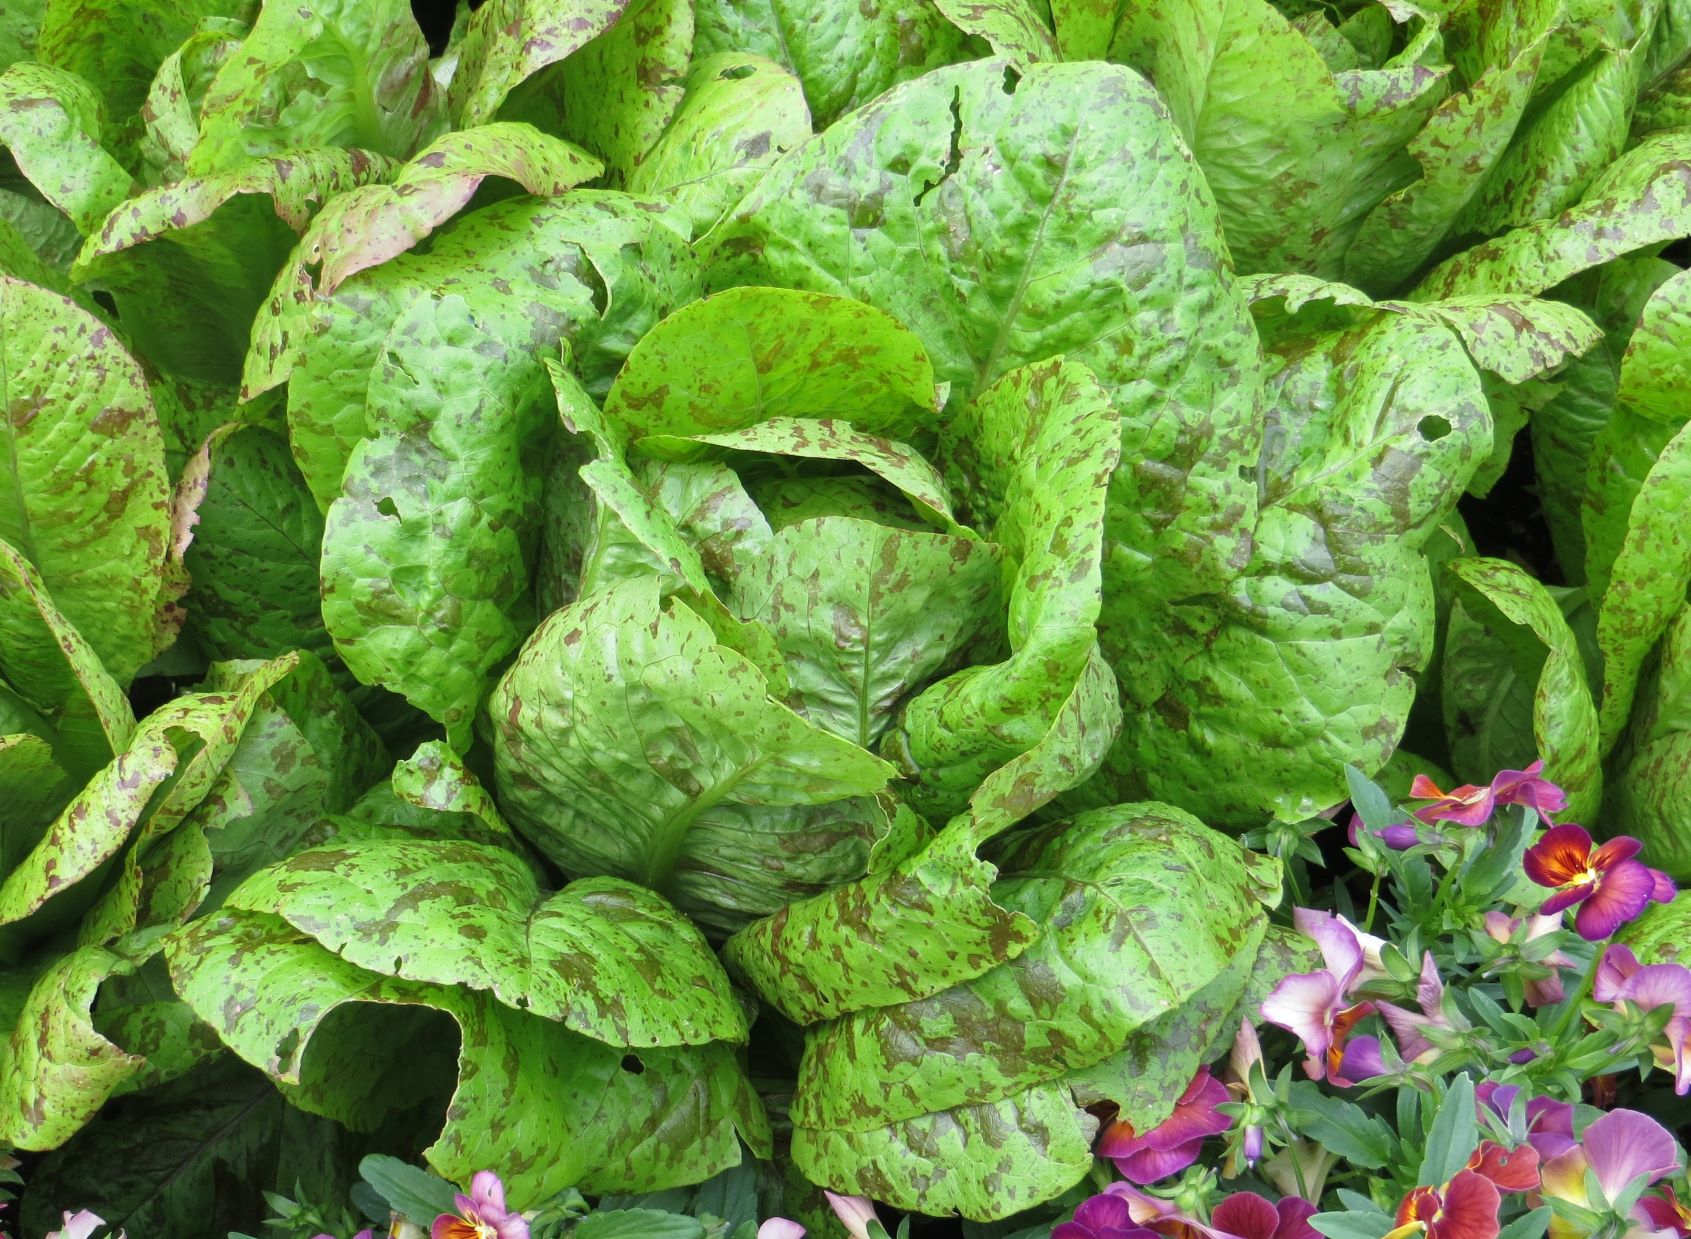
85, 497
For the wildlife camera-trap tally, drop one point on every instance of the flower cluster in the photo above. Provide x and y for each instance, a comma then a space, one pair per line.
1443, 1039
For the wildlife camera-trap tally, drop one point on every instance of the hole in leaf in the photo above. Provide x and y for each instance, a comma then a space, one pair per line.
1433, 427
735, 72
386, 506
1012, 79
954, 156
631, 1063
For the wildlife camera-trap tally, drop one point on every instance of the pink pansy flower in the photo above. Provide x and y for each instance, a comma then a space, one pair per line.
780, 1228
1249, 1216
1473, 806
1622, 981
1410, 1026
856, 1213
1312, 1005
1104, 1216
1173, 1144
1541, 991
482, 1214
1550, 1123
1607, 884
1620, 1148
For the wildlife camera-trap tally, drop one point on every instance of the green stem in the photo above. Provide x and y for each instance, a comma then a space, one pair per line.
1373, 904
1578, 1000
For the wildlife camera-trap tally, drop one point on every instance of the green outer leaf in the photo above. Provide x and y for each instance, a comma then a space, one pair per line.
1456, 149
58, 1071
1124, 944
35, 790
190, 262
256, 537
334, 73
1295, 154
969, 228
367, 226
676, 778
865, 615
508, 41
49, 664
550, 1108
904, 933
85, 497
1012, 28
434, 777
607, 959
171, 113
1564, 718
1658, 935
740, 357
1647, 588
1656, 367
740, 112
828, 439
844, 54
1622, 454
50, 121
1039, 449
985, 1161
1641, 199
19, 26
424, 574
622, 89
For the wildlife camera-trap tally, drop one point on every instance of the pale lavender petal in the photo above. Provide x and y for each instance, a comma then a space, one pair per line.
1407, 1027
1624, 1145
1303, 1005
1340, 950
489, 1195
1659, 985
1618, 963
780, 1228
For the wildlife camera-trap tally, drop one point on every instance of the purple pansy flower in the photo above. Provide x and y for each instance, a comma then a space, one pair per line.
1104, 1216
1173, 1144
1622, 981
1618, 1149
1472, 806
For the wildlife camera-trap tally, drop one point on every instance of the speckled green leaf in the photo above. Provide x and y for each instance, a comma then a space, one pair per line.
865, 615
1038, 450
845, 54
506, 42
434, 777
1129, 945
984, 1161
50, 122
1014, 29
596, 268
1656, 367
256, 539
1462, 141
171, 113
369, 225
1525, 640
622, 89
927, 923
1659, 934
327, 73
189, 263
610, 960
1295, 154
740, 112
627, 741
424, 573
1009, 220
1639, 200
551, 1108
57, 1071
732, 360
1251, 701
20, 24
34, 788
1647, 587
1654, 774
85, 496
47, 663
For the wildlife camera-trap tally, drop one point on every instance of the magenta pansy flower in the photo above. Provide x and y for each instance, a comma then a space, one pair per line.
1664, 1213
1469, 805
1249, 1216
1550, 1123
1104, 1216
1313, 1005
1623, 982
482, 1214
1607, 884
1174, 1144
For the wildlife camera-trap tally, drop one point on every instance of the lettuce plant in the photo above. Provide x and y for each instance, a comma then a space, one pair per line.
669, 585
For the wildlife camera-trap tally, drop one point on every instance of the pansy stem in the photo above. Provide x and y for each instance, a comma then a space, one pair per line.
1373, 904
1577, 1001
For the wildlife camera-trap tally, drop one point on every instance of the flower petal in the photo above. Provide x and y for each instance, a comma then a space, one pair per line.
450, 1226
1624, 1145
780, 1228
1150, 1165
1566, 898
1561, 855
1097, 1212
1246, 1215
1361, 1060
1612, 853
1340, 950
489, 1194
1618, 963
1658, 985
1469, 1210
1195, 1115
1513, 1170
1303, 1004
1295, 1213
1621, 895
1119, 1139
1664, 890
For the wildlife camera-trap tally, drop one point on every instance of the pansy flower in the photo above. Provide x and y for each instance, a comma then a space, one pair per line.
1104, 1216
1244, 1064
1249, 1216
1606, 883
1618, 1149
780, 1228
1623, 982
856, 1214
1411, 1027
1550, 1123
1664, 1213
1466, 1207
482, 1214
1313, 1007
1540, 991
1469, 805
1173, 1144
